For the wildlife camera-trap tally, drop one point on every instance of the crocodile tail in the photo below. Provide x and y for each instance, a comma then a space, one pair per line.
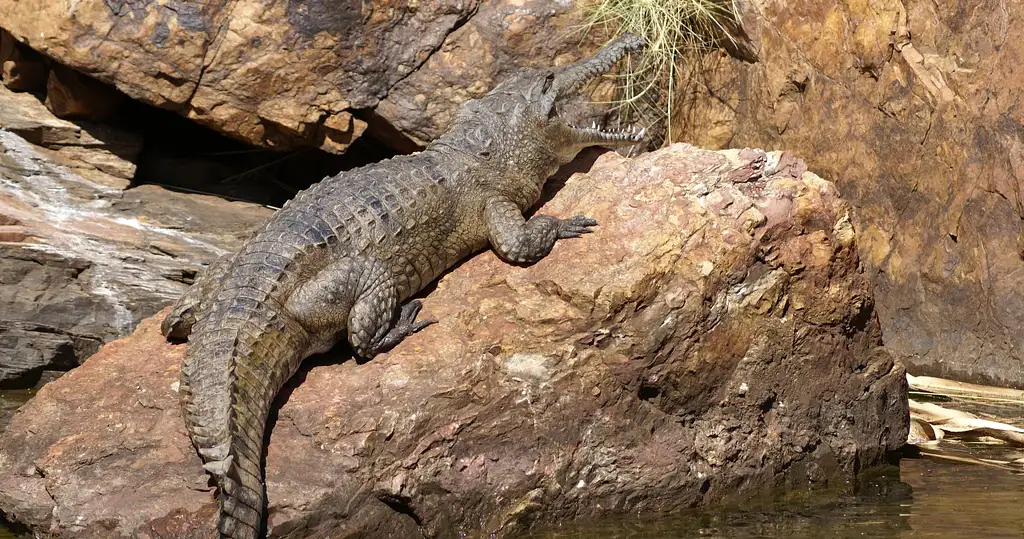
242, 352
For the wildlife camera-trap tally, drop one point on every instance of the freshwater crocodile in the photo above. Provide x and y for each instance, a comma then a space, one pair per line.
344, 257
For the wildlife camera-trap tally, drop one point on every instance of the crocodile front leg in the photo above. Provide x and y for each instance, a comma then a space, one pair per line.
523, 242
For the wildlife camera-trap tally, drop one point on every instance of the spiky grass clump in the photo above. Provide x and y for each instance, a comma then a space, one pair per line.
677, 31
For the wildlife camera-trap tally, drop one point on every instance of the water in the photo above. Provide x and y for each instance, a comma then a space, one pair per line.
948, 490
926, 497
10, 400
923, 498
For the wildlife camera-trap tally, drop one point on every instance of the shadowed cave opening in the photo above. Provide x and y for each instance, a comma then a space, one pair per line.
177, 153
182, 155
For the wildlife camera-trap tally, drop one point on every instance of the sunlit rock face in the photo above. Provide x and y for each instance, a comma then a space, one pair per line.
303, 73
913, 109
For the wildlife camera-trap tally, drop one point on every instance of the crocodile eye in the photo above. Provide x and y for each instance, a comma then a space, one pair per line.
548, 81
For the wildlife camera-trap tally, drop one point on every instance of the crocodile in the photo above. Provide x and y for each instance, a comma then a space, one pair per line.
344, 258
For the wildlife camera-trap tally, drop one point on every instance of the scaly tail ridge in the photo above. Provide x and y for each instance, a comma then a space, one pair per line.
243, 351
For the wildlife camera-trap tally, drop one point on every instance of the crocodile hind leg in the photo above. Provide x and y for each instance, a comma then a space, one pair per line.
178, 323
359, 296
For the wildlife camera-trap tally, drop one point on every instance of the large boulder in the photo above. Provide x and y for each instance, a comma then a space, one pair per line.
83, 258
912, 108
296, 73
715, 338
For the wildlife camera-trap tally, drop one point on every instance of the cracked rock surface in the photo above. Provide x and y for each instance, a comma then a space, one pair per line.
714, 339
288, 73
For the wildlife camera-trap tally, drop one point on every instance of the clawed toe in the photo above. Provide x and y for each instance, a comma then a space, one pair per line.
422, 324
409, 312
407, 323
575, 227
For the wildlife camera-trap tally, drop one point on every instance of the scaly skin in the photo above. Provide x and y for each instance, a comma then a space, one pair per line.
343, 257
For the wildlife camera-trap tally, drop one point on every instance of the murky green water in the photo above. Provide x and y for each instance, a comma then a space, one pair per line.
926, 497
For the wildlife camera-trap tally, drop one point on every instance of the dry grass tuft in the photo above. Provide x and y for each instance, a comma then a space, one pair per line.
678, 32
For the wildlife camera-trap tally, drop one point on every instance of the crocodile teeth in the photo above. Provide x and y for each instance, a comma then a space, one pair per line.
628, 134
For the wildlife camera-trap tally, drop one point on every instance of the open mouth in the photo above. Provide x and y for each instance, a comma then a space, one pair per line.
576, 75
594, 134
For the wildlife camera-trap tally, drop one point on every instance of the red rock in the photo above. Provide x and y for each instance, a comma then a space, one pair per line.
14, 233
101, 153
712, 340
912, 109
21, 68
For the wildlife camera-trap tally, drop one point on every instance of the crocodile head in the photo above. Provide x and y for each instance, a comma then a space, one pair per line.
518, 125
553, 87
